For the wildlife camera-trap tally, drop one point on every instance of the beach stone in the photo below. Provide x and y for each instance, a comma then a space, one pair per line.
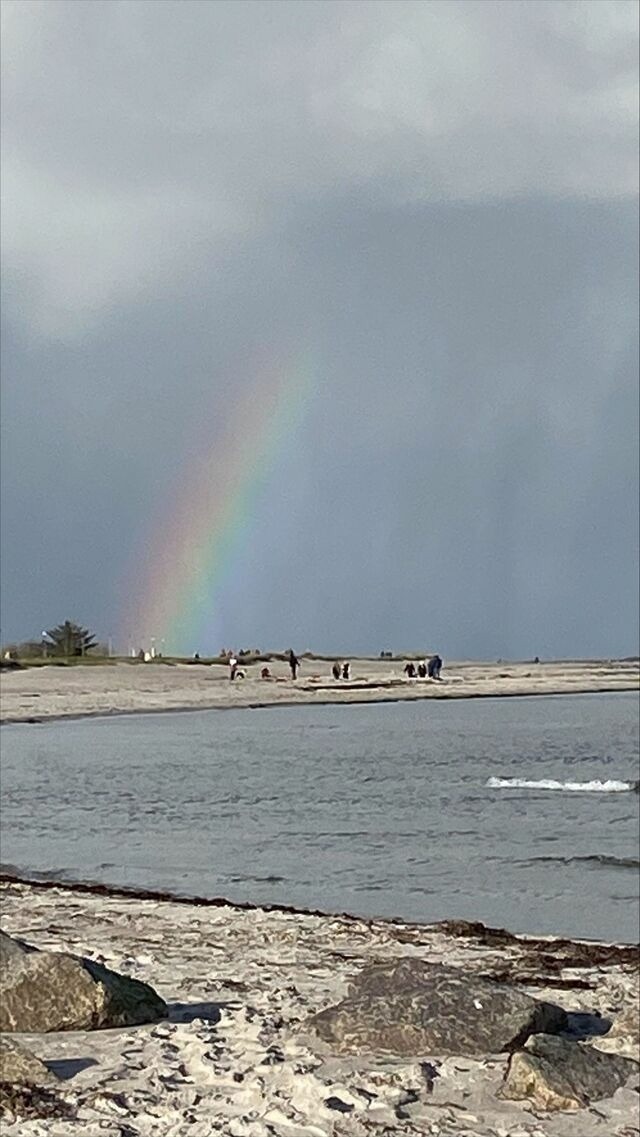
27, 1086
409, 1007
49, 990
556, 1074
27, 1102
11, 950
17, 1064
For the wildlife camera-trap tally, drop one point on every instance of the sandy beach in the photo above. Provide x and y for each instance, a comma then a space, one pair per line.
234, 1056
119, 688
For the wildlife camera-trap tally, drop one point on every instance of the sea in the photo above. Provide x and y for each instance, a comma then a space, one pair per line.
521, 813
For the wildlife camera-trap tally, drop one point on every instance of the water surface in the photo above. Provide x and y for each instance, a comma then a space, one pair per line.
407, 809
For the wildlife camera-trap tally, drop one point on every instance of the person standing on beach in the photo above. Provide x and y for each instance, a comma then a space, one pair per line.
294, 664
346, 670
335, 670
233, 666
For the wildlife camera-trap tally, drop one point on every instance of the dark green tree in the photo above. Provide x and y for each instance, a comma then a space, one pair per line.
71, 639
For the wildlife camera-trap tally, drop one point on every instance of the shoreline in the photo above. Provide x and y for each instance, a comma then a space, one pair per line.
236, 1056
51, 693
472, 930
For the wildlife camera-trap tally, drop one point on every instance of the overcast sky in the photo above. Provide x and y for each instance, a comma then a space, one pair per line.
438, 200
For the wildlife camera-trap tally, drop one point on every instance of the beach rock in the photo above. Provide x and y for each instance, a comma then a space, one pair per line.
556, 1074
27, 1086
11, 950
48, 990
409, 1007
26, 1102
17, 1064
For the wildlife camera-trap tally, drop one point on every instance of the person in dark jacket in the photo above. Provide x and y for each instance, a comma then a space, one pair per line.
410, 670
435, 667
294, 664
346, 670
422, 670
335, 670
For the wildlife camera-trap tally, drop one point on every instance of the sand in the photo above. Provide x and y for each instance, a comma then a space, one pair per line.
51, 691
233, 1059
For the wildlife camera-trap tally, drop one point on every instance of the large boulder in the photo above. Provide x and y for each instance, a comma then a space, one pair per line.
17, 1064
408, 1007
554, 1073
49, 990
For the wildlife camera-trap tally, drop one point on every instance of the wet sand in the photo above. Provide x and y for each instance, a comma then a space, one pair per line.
121, 688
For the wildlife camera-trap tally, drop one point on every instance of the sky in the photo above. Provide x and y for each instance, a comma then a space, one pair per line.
432, 207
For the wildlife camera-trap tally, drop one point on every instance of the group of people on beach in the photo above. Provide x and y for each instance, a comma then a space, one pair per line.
341, 670
235, 671
426, 669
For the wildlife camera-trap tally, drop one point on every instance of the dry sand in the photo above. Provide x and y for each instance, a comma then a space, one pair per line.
233, 1058
50, 692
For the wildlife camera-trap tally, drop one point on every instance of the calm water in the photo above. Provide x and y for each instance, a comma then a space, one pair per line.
380, 810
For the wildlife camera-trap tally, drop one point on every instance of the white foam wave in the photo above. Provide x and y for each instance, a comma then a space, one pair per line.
594, 787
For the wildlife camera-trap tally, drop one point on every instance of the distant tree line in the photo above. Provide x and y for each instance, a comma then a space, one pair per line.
68, 640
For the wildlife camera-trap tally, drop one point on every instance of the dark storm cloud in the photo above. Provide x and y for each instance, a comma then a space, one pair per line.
439, 197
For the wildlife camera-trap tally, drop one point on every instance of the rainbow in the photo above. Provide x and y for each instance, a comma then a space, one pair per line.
205, 528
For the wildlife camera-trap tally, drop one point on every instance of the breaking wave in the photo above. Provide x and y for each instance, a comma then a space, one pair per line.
611, 786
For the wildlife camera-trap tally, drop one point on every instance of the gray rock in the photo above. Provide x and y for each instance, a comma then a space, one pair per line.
22, 1101
11, 950
48, 990
554, 1073
408, 1007
27, 1086
17, 1064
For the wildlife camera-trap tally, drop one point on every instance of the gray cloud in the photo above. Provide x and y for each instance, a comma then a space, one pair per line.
440, 197
133, 129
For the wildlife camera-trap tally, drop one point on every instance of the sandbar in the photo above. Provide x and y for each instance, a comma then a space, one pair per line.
49, 692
